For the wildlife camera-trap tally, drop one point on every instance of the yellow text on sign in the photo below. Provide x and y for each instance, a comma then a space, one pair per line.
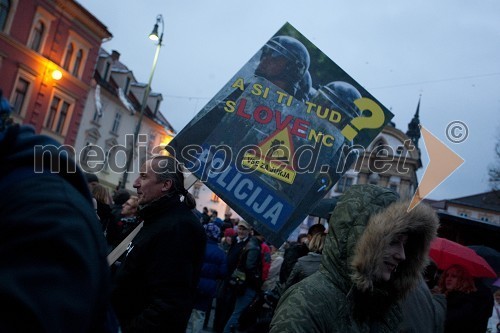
275, 170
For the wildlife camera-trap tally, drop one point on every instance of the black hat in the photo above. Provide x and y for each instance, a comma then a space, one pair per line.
121, 196
91, 177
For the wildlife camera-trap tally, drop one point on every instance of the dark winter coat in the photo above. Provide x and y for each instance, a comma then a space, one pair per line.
468, 312
117, 231
344, 296
104, 213
305, 266
423, 311
214, 269
155, 286
251, 263
290, 257
53, 272
234, 252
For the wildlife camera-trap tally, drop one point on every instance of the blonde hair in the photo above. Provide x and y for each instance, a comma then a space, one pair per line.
465, 282
133, 203
316, 243
135, 200
101, 194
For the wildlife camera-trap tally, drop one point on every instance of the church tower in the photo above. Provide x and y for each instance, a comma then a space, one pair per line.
414, 126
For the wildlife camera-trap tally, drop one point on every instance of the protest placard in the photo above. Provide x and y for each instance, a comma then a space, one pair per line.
280, 133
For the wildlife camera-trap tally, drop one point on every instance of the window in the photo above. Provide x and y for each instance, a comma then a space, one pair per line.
69, 55
196, 191
152, 141
157, 107
77, 50
96, 117
393, 187
107, 66
84, 155
373, 179
52, 112
343, 184
214, 198
58, 116
379, 144
127, 84
78, 62
63, 115
116, 122
109, 144
92, 136
4, 13
20, 95
36, 40
39, 29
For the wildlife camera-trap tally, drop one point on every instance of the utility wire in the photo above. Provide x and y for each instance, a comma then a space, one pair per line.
187, 97
436, 81
373, 88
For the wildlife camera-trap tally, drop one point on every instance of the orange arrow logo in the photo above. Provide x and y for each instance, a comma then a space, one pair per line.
442, 163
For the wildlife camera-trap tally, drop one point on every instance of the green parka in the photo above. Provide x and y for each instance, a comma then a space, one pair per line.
344, 296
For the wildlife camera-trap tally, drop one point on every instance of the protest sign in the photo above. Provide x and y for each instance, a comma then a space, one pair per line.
280, 133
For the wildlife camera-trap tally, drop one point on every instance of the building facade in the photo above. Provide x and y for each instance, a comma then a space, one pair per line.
391, 160
482, 207
470, 220
48, 52
59, 80
111, 114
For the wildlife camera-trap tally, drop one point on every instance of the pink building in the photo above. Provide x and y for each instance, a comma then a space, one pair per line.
48, 52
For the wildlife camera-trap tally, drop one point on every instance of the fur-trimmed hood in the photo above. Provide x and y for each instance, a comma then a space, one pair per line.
365, 221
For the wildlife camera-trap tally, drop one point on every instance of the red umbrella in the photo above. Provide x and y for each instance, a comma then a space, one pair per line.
445, 253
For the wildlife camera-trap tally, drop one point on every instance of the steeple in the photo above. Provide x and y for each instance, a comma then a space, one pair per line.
414, 126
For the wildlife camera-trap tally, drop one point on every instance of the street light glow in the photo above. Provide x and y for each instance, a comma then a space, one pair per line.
56, 74
154, 34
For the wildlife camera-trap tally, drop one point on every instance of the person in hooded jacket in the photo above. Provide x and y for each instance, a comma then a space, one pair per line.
53, 272
373, 256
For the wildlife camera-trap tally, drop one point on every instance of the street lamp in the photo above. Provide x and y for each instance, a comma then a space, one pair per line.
154, 37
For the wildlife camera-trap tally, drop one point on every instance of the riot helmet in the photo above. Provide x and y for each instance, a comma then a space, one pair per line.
340, 96
304, 88
292, 60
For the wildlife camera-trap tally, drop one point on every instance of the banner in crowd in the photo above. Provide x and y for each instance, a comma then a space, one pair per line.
280, 134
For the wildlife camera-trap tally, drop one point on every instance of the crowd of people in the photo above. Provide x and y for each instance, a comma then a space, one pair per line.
365, 273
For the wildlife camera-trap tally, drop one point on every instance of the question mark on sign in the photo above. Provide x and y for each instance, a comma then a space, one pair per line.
375, 120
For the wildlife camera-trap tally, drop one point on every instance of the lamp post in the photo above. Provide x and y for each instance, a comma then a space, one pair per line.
154, 37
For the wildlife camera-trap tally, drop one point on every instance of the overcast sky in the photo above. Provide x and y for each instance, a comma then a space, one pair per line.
447, 51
